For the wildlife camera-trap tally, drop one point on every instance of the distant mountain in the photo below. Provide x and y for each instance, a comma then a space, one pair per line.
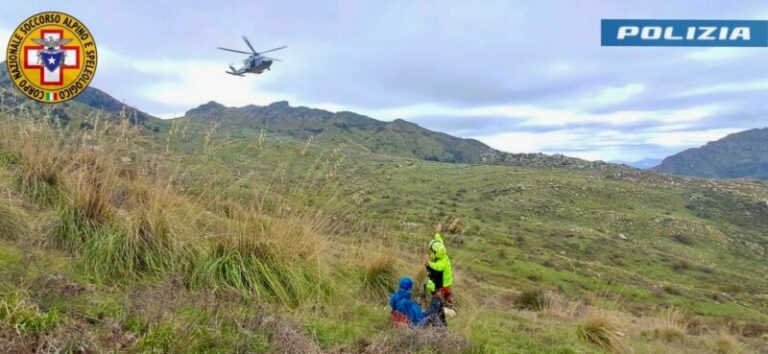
641, 164
397, 138
91, 97
739, 155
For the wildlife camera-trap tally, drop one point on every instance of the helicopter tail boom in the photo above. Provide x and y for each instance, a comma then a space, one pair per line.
234, 71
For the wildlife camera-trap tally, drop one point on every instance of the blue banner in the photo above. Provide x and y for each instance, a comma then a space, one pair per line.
685, 33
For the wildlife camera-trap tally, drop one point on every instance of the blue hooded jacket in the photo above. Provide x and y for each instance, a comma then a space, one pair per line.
401, 302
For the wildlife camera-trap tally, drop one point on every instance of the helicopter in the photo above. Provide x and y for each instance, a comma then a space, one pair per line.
256, 63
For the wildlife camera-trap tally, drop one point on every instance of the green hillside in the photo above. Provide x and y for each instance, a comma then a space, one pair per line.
282, 229
740, 155
399, 138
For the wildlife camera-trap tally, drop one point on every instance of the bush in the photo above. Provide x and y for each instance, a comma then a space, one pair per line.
681, 265
531, 299
683, 239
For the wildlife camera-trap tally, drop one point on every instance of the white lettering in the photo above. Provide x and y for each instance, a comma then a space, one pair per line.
628, 31
691, 33
740, 33
669, 34
652, 32
706, 34
723, 33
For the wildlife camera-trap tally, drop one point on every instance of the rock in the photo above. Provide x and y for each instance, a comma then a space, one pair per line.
126, 160
623, 237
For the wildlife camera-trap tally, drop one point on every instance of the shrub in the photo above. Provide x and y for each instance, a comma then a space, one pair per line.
681, 265
531, 299
683, 239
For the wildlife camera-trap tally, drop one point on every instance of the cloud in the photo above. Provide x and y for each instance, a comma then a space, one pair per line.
727, 87
718, 54
5, 36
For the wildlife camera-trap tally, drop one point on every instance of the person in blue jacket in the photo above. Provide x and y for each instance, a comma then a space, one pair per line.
402, 303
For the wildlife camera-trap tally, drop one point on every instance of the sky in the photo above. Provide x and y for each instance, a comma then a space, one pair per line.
521, 76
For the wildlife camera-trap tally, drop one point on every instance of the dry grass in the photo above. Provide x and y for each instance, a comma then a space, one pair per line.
554, 305
123, 214
262, 256
410, 340
287, 337
670, 324
379, 274
605, 330
13, 224
725, 343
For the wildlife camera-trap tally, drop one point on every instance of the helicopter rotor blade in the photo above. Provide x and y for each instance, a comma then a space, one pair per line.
234, 50
249, 45
272, 50
271, 58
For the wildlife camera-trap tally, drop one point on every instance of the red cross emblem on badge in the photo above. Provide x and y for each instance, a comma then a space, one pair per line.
57, 59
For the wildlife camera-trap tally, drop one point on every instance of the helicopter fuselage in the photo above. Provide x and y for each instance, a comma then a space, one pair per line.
256, 64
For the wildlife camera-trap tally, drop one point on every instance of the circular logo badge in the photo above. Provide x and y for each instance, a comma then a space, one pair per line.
51, 57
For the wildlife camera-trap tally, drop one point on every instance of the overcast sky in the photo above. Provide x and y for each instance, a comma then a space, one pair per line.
521, 76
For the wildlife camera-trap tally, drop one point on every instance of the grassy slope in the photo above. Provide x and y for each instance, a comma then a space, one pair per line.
695, 245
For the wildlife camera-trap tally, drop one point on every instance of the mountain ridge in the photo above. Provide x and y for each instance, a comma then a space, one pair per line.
397, 137
738, 155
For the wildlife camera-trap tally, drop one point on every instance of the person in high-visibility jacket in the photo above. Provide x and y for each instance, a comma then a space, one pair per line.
439, 273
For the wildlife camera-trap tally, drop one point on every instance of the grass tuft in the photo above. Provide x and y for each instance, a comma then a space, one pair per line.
12, 222
379, 275
671, 325
256, 257
725, 343
603, 329
24, 317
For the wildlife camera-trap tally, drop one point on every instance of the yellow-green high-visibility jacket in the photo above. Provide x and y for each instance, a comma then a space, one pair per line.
439, 272
438, 239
